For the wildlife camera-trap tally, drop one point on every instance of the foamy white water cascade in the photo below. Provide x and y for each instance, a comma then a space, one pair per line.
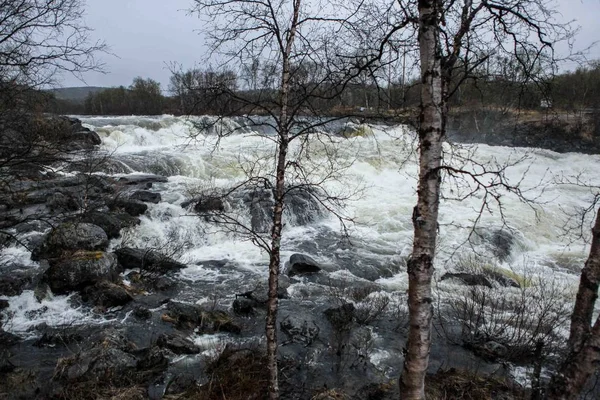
382, 165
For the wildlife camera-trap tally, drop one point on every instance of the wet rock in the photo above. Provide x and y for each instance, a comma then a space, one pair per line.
58, 202
341, 318
4, 304
301, 264
7, 339
14, 282
146, 196
301, 207
502, 279
259, 291
134, 208
111, 223
191, 316
146, 260
142, 312
69, 237
5, 364
81, 269
177, 343
53, 337
502, 242
145, 180
106, 294
244, 306
468, 279
299, 330
490, 350
84, 140
209, 204
97, 364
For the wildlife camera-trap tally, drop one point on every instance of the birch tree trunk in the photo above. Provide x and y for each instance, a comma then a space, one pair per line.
275, 257
425, 214
584, 340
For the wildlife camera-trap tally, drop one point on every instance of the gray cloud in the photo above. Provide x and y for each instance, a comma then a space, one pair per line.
146, 35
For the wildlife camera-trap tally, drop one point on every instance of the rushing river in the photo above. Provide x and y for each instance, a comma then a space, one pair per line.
377, 172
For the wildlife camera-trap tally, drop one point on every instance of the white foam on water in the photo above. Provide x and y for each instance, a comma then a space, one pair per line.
382, 165
25, 312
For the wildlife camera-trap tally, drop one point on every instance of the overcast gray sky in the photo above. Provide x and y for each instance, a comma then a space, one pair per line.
146, 35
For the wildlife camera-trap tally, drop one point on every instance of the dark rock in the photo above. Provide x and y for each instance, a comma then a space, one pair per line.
146, 260
177, 343
111, 223
502, 242
468, 279
259, 291
106, 294
154, 359
244, 306
191, 316
142, 312
5, 364
53, 337
490, 350
98, 364
81, 269
60, 202
4, 304
132, 207
341, 318
14, 282
69, 237
7, 339
146, 196
145, 180
84, 140
301, 264
209, 204
299, 330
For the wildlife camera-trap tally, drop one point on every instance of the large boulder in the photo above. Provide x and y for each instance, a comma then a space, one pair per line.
134, 208
468, 279
194, 317
81, 269
69, 237
146, 196
111, 223
177, 343
147, 260
106, 294
301, 264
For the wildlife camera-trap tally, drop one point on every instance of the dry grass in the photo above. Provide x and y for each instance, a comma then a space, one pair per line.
236, 374
455, 384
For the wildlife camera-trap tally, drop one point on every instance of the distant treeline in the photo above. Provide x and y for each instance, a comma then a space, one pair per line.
208, 92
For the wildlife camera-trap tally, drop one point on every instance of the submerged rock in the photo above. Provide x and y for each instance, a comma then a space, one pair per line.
81, 269
146, 260
70, 237
301, 264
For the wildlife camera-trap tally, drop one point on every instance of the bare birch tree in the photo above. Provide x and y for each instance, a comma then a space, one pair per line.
295, 41
454, 39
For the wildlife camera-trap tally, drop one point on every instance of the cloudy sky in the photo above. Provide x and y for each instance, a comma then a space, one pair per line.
146, 35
